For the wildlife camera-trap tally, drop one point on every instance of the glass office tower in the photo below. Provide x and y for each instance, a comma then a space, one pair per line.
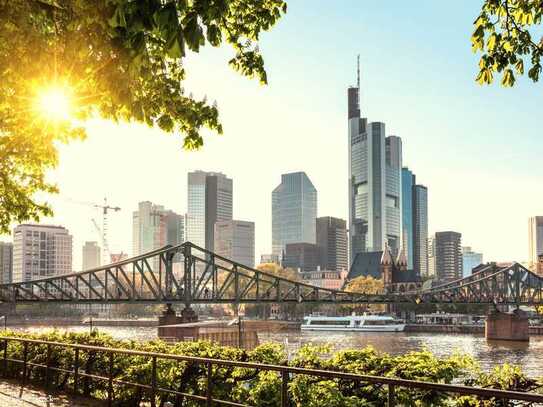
294, 211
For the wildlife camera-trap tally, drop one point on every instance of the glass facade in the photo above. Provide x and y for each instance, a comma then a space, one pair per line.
210, 200
420, 230
470, 259
408, 182
294, 211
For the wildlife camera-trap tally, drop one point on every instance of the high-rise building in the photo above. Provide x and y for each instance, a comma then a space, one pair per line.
535, 240
154, 227
41, 251
431, 257
375, 191
210, 200
420, 230
235, 240
301, 256
448, 255
294, 210
332, 243
91, 256
470, 259
415, 223
408, 183
6, 262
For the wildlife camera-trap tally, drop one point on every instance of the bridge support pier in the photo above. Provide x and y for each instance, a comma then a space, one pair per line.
169, 317
507, 326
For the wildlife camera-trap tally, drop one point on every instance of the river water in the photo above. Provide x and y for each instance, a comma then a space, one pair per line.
488, 354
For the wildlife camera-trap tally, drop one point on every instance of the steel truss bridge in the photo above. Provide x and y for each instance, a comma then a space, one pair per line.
192, 275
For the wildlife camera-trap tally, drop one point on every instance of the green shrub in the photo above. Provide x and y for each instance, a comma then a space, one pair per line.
252, 386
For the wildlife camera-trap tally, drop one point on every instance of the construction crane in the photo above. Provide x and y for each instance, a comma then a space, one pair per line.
105, 244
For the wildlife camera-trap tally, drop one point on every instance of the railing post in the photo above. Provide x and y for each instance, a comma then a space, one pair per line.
5, 372
76, 369
209, 399
391, 396
153, 382
110, 381
47, 363
284, 388
25, 362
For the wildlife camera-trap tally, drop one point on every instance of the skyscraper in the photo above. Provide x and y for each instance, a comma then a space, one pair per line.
210, 200
408, 182
6, 262
375, 196
301, 256
41, 251
294, 210
235, 240
154, 227
448, 255
91, 256
535, 240
470, 259
420, 230
332, 243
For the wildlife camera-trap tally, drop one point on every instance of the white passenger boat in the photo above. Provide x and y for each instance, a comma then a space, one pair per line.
353, 323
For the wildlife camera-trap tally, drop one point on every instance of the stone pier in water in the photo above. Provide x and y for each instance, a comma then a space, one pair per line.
507, 326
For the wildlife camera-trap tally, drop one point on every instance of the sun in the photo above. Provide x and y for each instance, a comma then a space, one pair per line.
54, 103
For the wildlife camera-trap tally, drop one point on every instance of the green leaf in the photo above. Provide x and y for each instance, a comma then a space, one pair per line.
508, 78
519, 66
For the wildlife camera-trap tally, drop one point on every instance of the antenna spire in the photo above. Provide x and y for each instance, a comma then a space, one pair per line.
358, 72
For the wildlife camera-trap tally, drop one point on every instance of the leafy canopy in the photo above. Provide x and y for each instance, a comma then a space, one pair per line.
505, 33
117, 59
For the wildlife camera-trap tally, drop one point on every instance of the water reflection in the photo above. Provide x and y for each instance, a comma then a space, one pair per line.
488, 354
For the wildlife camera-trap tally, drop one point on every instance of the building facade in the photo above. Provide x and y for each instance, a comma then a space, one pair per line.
332, 243
375, 187
41, 251
329, 279
294, 210
235, 240
269, 258
301, 256
420, 230
470, 260
408, 183
431, 257
448, 255
210, 200
535, 240
6, 262
415, 222
91, 256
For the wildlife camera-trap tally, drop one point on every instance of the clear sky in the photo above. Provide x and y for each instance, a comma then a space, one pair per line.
479, 150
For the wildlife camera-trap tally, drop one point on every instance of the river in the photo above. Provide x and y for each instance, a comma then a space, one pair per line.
488, 354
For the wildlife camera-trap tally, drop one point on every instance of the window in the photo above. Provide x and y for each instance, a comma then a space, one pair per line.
331, 322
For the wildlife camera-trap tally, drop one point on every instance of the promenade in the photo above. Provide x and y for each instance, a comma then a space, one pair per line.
13, 395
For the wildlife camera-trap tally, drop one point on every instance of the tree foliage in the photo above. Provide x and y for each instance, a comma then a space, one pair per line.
506, 34
365, 285
261, 388
118, 59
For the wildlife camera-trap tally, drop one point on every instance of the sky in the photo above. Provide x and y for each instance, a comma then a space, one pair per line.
478, 149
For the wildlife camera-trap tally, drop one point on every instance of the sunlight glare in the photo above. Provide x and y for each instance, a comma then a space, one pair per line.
54, 103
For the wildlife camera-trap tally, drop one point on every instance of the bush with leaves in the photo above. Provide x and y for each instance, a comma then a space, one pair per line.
258, 387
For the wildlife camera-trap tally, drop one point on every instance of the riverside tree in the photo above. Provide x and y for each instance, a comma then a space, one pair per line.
63, 61
123, 60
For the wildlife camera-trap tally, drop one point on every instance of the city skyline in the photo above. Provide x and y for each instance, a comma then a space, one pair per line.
443, 145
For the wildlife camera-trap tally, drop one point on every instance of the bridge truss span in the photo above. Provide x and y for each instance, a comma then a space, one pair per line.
189, 274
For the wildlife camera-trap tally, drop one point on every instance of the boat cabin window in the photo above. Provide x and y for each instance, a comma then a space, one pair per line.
386, 322
326, 322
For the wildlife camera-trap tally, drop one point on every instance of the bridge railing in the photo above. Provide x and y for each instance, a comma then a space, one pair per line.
112, 383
